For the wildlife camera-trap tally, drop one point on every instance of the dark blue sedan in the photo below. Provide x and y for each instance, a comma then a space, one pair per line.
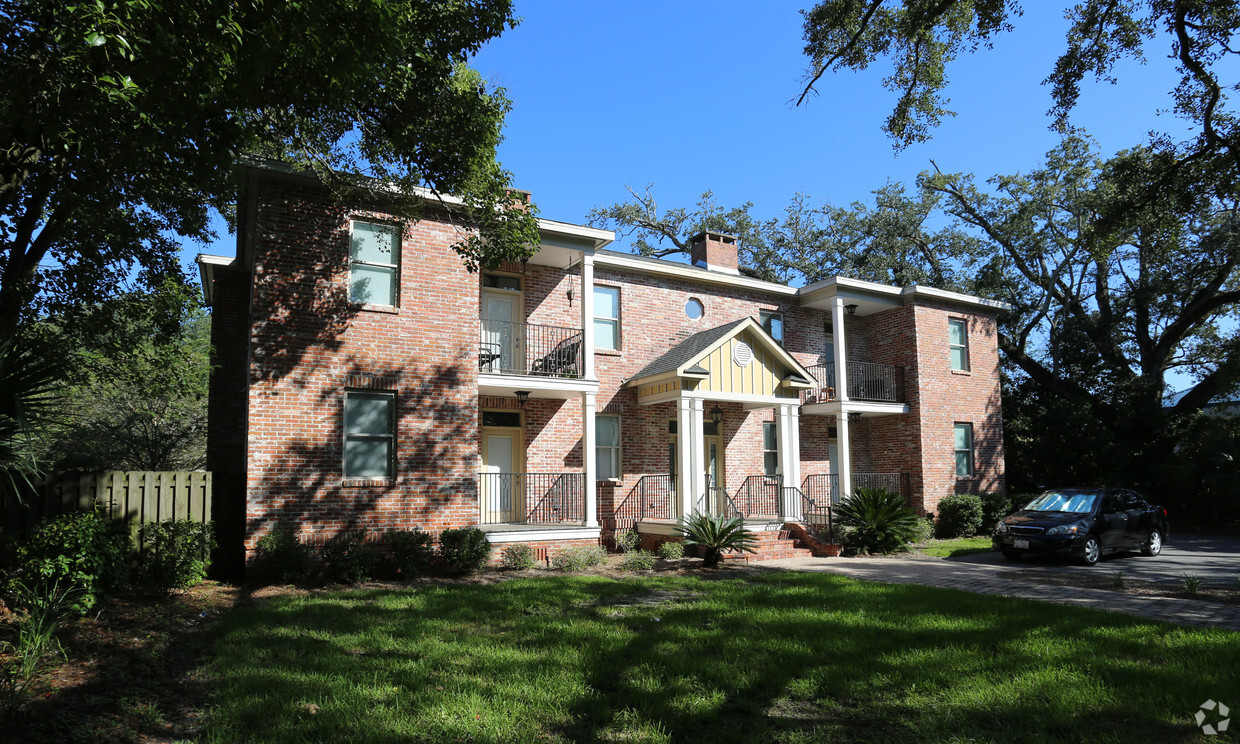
1083, 523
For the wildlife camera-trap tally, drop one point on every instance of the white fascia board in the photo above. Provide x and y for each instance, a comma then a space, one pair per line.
206, 271
600, 238
692, 274
539, 386
946, 296
509, 535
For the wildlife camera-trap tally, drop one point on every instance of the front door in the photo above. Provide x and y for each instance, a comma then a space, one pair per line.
501, 348
715, 474
502, 488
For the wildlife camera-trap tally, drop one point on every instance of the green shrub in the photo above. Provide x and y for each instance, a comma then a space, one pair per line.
178, 553
348, 558
579, 558
628, 541
671, 550
44, 607
996, 506
960, 515
282, 557
411, 551
638, 560
715, 534
80, 551
880, 521
923, 531
465, 549
518, 557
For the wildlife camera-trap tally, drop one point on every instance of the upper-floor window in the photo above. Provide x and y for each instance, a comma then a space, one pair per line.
770, 449
964, 450
606, 317
694, 309
374, 263
773, 322
369, 434
958, 340
607, 446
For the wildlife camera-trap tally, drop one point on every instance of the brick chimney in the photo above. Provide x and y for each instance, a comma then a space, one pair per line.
714, 251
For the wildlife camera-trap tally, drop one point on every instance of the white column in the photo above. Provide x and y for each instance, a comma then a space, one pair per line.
788, 435
587, 315
589, 456
845, 455
841, 361
697, 452
684, 456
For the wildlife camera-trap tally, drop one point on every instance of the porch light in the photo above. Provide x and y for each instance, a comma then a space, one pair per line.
852, 309
716, 415
522, 396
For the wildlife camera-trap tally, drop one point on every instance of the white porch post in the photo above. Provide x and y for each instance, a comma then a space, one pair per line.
697, 454
845, 455
587, 315
684, 458
589, 456
841, 360
788, 442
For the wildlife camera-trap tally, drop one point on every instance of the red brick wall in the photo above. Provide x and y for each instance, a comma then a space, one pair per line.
309, 345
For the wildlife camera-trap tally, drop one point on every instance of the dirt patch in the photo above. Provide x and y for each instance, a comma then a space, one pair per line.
1138, 587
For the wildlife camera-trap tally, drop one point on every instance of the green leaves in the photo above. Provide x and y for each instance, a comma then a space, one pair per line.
715, 534
881, 521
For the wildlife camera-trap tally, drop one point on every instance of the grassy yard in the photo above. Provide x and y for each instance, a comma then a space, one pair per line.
958, 546
776, 658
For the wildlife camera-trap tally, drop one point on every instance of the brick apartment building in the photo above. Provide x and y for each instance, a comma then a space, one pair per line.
366, 380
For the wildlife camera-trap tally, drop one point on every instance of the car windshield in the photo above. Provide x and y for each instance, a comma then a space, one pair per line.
1078, 503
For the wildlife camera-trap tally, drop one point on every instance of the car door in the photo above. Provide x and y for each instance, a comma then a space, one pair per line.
1140, 517
1112, 521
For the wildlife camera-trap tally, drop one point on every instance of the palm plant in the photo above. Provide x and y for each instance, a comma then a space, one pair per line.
715, 534
30, 380
881, 522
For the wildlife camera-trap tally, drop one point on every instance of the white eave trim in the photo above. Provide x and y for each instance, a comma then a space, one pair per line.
946, 296
599, 238
691, 274
506, 534
206, 271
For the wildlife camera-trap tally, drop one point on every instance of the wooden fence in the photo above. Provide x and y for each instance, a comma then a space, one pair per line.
133, 496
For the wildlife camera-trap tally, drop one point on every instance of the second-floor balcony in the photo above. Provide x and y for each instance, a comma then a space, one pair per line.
507, 348
866, 381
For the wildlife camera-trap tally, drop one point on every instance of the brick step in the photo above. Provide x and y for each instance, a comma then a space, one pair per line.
771, 549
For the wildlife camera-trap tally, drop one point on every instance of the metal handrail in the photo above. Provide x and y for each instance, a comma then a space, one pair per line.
867, 381
759, 495
532, 498
825, 488
509, 348
651, 497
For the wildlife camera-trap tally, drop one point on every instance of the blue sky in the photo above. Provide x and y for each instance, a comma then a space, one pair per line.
692, 96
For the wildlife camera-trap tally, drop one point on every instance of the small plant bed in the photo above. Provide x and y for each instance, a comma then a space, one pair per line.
1117, 582
954, 547
772, 657
127, 673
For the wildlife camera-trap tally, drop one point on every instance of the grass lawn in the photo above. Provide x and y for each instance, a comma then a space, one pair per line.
957, 546
779, 657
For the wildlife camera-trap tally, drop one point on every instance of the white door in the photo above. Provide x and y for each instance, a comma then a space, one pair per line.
500, 489
501, 332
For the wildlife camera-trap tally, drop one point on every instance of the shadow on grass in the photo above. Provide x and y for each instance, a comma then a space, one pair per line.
778, 657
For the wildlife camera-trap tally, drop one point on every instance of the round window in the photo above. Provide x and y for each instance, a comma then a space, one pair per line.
693, 308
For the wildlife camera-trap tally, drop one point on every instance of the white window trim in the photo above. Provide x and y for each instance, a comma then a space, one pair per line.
391, 436
971, 450
400, 240
766, 451
965, 346
765, 315
619, 312
598, 446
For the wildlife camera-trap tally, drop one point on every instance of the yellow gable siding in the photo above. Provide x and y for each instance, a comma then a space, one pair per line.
761, 377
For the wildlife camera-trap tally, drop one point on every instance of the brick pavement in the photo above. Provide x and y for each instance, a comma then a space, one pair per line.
984, 579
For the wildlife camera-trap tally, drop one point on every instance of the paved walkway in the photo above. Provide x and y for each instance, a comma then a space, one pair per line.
984, 579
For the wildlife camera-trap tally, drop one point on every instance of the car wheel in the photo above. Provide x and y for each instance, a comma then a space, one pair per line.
1153, 544
1093, 551
1011, 555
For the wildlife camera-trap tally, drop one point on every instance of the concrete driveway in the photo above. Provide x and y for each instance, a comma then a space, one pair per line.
1215, 559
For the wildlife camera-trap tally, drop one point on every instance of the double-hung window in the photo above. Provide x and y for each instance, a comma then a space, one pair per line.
607, 446
964, 450
773, 323
958, 341
607, 318
770, 449
369, 434
374, 263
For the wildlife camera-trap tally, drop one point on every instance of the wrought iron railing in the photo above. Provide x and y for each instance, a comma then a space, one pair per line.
528, 349
825, 489
715, 500
759, 495
819, 518
650, 498
882, 383
532, 498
